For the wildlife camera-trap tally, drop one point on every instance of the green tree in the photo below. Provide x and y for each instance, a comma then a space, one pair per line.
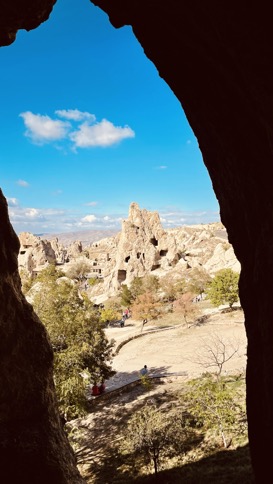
137, 287
126, 297
153, 434
223, 288
198, 281
50, 273
112, 310
26, 280
78, 340
109, 314
217, 405
79, 269
171, 288
151, 283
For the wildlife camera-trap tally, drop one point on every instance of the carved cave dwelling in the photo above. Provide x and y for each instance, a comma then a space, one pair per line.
216, 58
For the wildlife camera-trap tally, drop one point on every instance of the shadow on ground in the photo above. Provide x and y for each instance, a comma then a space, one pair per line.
123, 378
101, 461
223, 467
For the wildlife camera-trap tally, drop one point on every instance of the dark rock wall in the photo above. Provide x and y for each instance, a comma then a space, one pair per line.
33, 445
21, 14
217, 59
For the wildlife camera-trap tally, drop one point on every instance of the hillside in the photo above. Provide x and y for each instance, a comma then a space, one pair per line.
86, 237
141, 247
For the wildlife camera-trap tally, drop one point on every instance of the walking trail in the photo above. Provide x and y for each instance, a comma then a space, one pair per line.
178, 350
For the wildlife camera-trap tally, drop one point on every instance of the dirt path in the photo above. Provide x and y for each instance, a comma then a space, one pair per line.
180, 350
170, 352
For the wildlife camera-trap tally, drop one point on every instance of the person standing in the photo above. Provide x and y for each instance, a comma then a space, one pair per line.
144, 370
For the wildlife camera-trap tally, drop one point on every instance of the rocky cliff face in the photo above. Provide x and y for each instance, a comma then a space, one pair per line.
144, 247
217, 59
35, 253
33, 445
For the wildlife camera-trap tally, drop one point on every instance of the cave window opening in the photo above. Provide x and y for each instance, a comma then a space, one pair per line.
138, 255
121, 275
154, 241
163, 253
127, 258
155, 266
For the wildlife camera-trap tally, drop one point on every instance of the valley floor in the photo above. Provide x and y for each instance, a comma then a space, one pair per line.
175, 353
175, 349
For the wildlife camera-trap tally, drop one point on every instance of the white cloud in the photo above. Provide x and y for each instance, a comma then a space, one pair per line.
12, 202
22, 183
162, 167
75, 114
100, 134
89, 218
42, 129
32, 212
179, 217
51, 220
91, 204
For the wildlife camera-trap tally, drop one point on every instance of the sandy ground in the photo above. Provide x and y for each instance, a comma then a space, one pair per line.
179, 350
176, 354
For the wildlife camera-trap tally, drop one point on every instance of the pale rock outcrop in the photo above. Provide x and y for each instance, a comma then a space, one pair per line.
34, 253
143, 247
222, 258
74, 250
60, 251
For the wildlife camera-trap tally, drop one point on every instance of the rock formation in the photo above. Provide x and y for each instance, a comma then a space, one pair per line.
34, 447
74, 250
36, 253
216, 57
144, 247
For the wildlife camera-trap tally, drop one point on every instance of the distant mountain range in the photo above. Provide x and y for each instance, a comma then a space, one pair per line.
86, 237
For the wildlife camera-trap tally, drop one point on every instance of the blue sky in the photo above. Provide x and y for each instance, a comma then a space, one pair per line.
88, 127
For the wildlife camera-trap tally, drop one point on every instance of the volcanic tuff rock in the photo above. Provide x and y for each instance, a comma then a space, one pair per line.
142, 247
217, 59
35, 253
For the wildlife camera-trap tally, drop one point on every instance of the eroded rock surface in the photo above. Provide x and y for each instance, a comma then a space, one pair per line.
217, 59
33, 445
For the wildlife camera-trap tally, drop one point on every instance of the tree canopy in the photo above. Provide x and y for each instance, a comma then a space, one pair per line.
80, 347
223, 288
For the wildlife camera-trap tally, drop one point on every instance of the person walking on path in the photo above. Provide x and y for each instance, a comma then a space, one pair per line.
144, 370
143, 324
